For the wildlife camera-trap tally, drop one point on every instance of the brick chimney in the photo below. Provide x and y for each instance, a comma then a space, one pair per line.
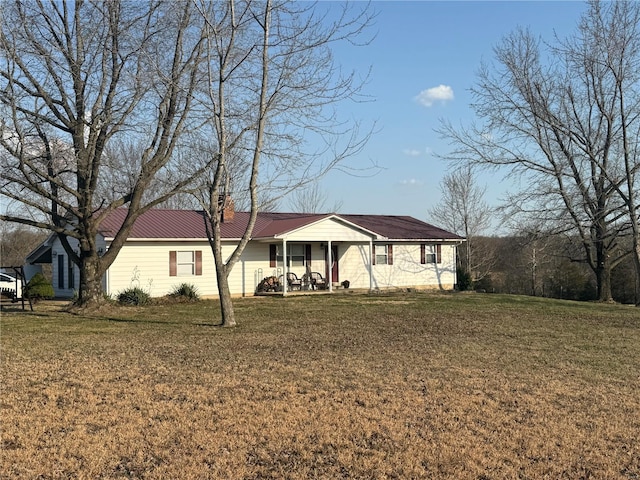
227, 208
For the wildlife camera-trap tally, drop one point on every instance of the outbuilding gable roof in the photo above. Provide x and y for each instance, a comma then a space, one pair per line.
191, 224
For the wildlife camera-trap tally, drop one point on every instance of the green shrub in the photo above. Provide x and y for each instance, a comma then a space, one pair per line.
187, 291
39, 288
134, 296
464, 279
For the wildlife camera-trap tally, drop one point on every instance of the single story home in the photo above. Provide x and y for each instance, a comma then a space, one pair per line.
166, 248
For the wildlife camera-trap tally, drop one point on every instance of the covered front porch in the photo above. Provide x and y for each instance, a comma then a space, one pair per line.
316, 267
317, 258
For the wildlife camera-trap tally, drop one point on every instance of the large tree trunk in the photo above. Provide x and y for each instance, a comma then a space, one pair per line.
603, 281
602, 267
90, 292
226, 305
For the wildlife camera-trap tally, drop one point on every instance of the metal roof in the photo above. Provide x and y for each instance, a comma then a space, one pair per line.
191, 224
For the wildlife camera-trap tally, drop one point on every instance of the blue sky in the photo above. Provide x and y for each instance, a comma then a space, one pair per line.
424, 60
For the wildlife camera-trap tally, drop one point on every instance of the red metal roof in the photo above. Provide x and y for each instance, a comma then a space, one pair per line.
191, 224
400, 227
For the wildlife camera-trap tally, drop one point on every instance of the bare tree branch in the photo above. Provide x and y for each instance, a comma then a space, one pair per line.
272, 91
74, 78
557, 120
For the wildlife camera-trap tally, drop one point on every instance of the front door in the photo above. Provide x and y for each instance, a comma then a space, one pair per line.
334, 263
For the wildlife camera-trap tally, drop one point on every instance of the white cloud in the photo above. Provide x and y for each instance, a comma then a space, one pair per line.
441, 93
412, 182
412, 152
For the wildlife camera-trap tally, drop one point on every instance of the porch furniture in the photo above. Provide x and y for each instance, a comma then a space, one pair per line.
317, 281
293, 282
269, 284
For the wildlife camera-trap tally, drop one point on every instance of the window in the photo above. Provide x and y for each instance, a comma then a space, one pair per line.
380, 254
430, 253
383, 254
60, 271
430, 256
70, 273
296, 254
185, 263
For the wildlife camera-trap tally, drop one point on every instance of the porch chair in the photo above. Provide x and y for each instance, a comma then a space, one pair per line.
293, 282
317, 281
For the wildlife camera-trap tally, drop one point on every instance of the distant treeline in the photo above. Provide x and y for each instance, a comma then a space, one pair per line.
550, 267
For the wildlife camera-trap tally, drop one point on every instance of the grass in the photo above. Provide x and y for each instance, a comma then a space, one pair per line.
344, 386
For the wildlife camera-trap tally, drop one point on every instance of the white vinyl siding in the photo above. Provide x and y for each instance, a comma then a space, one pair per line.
406, 271
325, 229
145, 264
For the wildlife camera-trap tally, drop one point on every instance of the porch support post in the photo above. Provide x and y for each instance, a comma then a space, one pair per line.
330, 260
285, 267
370, 264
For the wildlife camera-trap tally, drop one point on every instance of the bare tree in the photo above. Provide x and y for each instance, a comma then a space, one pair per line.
16, 241
75, 77
312, 199
553, 118
273, 85
463, 210
617, 59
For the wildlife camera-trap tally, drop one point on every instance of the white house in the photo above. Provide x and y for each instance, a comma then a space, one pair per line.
169, 247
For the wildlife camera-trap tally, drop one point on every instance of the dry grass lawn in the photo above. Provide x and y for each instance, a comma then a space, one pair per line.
402, 386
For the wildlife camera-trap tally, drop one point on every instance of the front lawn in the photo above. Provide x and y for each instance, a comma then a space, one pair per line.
463, 386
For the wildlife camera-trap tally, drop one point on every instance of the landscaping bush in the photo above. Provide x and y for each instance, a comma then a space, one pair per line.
187, 291
134, 296
464, 279
39, 288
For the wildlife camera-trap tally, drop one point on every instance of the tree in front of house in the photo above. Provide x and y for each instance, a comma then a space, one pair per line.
272, 86
75, 78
